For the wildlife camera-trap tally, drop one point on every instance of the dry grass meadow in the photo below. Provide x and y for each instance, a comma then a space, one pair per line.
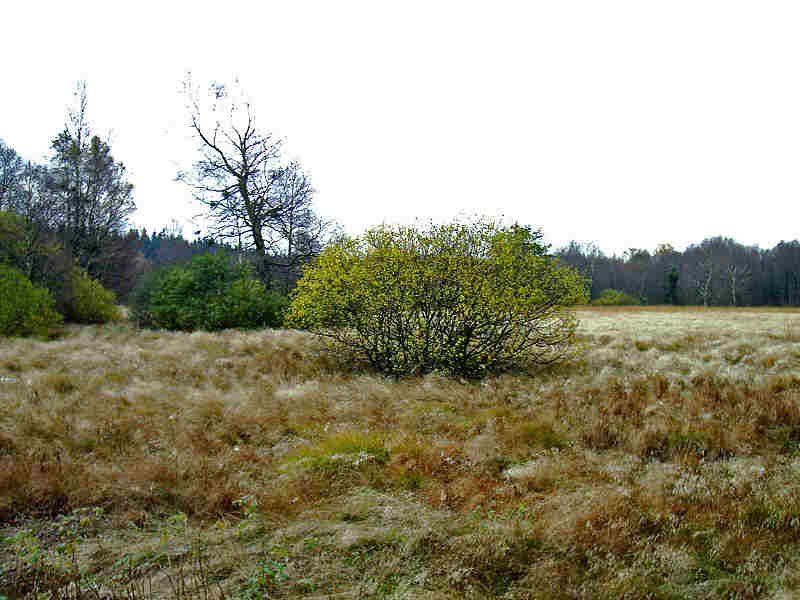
662, 463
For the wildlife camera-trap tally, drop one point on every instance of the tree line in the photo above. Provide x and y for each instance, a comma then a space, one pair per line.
718, 271
75, 209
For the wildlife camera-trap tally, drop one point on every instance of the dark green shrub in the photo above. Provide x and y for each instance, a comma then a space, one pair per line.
35, 251
142, 298
25, 309
209, 292
611, 297
13, 232
249, 304
85, 300
462, 299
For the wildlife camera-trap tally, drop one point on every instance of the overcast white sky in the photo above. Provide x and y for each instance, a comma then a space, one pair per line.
628, 123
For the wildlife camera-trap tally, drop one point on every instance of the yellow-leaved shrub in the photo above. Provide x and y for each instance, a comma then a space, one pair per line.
463, 299
85, 300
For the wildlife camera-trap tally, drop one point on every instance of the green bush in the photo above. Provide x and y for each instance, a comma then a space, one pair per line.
35, 251
41, 258
142, 298
25, 309
461, 299
249, 304
210, 293
13, 232
611, 297
85, 300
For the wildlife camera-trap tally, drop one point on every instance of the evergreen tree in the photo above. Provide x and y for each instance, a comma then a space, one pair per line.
91, 188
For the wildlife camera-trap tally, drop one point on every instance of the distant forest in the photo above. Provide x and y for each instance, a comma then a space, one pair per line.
75, 209
717, 271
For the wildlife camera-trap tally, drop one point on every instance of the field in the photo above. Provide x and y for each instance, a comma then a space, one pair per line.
663, 462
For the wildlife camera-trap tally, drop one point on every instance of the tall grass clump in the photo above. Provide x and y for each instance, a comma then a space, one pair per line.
464, 299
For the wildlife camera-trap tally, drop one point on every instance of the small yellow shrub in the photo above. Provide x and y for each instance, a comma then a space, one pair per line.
87, 301
461, 299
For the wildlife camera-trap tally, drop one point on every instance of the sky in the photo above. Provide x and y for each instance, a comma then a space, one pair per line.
624, 123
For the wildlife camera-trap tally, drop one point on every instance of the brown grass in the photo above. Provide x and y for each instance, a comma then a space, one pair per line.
663, 463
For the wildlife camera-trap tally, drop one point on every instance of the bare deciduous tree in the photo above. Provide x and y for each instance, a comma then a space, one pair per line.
249, 194
704, 277
737, 275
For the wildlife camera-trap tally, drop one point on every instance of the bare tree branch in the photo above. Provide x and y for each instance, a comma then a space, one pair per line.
248, 193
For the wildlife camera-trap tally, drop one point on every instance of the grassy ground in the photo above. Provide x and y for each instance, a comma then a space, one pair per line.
663, 463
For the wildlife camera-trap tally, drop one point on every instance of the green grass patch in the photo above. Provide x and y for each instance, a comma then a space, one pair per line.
339, 452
